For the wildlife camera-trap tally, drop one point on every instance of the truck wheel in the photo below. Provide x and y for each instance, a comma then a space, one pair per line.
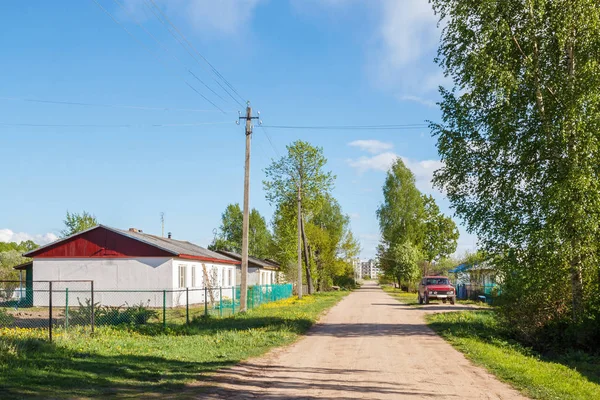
444, 301
453, 300
426, 299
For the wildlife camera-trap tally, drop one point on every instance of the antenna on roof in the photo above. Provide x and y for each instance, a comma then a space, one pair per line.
162, 223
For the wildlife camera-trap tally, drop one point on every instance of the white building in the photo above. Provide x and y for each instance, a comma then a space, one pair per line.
129, 267
370, 268
260, 272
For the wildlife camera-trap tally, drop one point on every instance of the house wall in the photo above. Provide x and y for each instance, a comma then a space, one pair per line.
219, 275
108, 274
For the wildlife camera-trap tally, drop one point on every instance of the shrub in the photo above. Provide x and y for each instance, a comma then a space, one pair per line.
5, 318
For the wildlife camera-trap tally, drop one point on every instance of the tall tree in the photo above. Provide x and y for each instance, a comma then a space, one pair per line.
401, 214
440, 233
230, 235
300, 171
75, 223
519, 139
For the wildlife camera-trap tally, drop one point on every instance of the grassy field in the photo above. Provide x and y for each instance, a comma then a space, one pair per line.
147, 361
480, 336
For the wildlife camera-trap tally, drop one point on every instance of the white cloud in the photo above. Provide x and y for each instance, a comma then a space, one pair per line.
225, 17
7, 235
422, 169
379, 162
355, 215
371, 146
406, 41
417, 99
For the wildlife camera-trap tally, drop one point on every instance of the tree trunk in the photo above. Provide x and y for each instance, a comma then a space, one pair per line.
575, 264
309, 280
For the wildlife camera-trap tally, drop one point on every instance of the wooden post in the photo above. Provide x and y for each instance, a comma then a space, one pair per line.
187, 305
246, 216
50, 311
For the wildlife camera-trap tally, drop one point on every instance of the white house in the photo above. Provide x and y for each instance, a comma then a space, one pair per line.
260, 272
129, 267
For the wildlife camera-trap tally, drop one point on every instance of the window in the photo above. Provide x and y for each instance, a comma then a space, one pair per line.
229, 279
223, 276
182, 276
193, 276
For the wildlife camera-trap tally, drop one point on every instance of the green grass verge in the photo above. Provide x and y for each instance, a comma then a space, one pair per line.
401, 296
411, 298
485, 341
146, 361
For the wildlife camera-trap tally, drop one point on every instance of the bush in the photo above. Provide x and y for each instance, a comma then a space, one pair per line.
5, 318
138, 314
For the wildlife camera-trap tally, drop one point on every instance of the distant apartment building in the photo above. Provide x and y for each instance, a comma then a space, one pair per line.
369, 268
356, 266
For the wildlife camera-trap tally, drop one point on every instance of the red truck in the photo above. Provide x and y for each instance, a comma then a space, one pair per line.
436, 288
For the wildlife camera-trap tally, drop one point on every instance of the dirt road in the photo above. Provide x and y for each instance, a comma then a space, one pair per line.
368, 346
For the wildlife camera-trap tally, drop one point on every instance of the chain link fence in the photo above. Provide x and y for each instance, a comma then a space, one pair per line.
65, 305
486, 293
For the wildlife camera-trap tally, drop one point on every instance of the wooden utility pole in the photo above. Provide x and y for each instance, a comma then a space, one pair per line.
299, 242
246, 217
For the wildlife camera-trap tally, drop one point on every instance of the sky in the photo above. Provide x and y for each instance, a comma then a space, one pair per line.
141, 141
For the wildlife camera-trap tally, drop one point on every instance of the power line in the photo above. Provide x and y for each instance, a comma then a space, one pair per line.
186, 48
111, 125
215, 71
351, 127
151, 53
77, 103
270, 141
166, 49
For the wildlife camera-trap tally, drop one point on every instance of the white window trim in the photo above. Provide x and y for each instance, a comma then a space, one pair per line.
182, 275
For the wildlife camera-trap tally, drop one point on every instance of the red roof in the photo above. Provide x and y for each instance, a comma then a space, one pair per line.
106, 242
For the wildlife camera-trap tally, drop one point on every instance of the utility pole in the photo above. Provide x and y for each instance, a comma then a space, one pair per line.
299, 241
162, 223
246, 217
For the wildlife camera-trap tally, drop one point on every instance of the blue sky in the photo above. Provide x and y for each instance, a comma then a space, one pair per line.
300, 62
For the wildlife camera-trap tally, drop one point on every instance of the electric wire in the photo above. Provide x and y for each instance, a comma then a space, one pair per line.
351, 127
270, 141
85, 104
151, 53
215, 71
168, 125
186, 48
166, 49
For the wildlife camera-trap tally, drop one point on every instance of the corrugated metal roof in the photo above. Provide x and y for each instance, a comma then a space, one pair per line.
259, 262
175, 247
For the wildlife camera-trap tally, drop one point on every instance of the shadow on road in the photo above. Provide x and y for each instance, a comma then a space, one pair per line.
240, 384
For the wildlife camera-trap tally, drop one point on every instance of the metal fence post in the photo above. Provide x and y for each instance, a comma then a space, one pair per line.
164, 308
67, 308
220, 301
187, 305
232, 300
50, 311
93, 316
205, 301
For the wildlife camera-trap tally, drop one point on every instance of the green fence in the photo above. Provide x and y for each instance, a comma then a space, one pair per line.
64, 305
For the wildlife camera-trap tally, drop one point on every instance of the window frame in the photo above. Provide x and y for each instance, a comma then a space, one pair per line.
182, 276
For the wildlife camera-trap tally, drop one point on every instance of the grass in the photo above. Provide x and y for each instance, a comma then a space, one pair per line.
411, 298
485, 341
147, 361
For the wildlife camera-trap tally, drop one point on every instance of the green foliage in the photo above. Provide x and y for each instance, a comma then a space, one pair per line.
11, 256
519, 142
138, 314
147, 360
487, 340
401, 213
5, 318
75, 223
441, 234
230, 235
413, 229
329, 239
